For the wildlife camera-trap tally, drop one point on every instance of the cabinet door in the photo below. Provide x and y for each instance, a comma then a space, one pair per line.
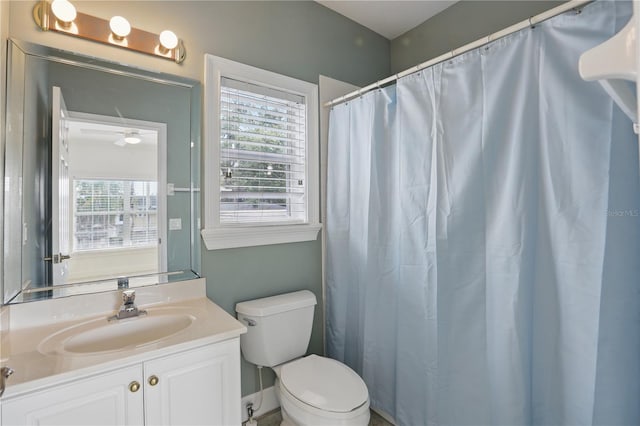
104, 399
196, 387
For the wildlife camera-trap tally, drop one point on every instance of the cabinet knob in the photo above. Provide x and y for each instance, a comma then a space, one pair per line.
153, 380
134, 386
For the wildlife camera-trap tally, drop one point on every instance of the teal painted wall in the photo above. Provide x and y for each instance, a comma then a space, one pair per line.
462, 23
301, 39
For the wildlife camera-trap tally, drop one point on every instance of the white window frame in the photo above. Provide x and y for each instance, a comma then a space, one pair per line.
218, 236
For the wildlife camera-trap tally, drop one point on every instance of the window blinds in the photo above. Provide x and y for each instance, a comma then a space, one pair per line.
262, 154
114, 214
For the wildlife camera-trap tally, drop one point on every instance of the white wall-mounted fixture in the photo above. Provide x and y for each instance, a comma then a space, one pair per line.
61, 16
614, 65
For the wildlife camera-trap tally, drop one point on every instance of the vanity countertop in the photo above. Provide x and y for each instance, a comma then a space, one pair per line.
35, 368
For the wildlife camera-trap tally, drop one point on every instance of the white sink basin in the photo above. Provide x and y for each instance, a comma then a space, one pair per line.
100, 336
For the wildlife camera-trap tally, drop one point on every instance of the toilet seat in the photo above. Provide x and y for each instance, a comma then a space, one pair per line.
298, 413
324, 383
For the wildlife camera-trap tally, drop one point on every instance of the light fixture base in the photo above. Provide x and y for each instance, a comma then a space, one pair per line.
41, 13
180, 52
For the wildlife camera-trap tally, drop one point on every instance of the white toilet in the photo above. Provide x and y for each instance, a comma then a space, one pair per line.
312, 390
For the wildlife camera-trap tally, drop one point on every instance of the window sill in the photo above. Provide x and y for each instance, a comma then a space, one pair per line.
224, 238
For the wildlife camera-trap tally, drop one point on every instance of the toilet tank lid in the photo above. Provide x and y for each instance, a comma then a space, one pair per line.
276, 304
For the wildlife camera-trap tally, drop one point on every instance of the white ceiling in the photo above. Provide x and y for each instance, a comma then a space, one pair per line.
94, 132
389, 18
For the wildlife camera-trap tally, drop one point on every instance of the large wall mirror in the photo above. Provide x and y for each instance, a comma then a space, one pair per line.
101, 175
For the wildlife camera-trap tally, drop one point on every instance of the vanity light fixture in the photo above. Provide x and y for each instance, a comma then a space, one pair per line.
61, 16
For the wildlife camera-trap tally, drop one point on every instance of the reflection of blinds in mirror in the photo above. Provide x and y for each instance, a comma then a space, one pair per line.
114, 214
262, 154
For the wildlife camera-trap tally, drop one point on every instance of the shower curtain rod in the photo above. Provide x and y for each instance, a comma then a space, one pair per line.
573, 4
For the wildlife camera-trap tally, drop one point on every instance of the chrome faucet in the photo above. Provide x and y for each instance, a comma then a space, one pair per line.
128, 308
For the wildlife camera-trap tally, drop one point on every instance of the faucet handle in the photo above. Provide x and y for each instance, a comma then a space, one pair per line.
128, 308
128, 296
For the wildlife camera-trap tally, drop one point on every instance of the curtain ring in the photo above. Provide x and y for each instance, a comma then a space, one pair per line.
531, 24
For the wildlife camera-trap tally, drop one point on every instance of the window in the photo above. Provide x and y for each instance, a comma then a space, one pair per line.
262, 154
261, 157
114, 214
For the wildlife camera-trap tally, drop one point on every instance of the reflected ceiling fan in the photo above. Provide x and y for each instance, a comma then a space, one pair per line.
127, 136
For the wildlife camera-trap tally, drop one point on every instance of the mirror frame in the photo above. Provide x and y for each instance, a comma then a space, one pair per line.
119, 69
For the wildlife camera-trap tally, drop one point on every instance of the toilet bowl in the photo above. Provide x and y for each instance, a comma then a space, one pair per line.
321, 391
313, 390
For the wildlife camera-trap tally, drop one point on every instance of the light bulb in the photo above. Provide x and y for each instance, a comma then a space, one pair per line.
132, 139
120, 27
63, 10
168, 39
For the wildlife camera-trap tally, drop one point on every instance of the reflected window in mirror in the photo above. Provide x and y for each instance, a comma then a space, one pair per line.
114, 214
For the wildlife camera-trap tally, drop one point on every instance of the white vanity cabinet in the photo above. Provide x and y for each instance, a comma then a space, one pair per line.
197, 387
103, 399
193, 387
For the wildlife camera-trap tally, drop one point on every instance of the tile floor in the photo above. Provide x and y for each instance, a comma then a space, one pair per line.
273, 418
377, 420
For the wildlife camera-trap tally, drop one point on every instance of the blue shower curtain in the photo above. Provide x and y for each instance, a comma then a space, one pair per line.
483, 237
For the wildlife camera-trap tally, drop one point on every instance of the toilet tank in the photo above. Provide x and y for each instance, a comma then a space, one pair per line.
278, 327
